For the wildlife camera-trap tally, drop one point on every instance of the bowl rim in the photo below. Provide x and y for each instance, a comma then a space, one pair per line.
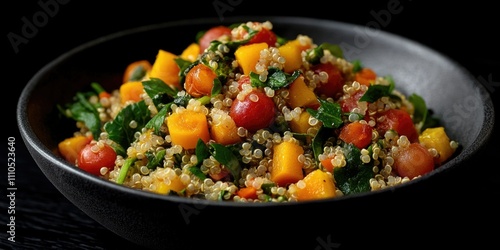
36, 147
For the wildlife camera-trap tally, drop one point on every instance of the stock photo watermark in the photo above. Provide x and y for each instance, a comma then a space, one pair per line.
223, 6
30, 26
11, 188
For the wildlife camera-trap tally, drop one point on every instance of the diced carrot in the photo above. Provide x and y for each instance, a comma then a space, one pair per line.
70, 148
104, 94
327, 164
247, 193
131, 91
366, 76
135, 71
318, 185
166, 69
286, 167
187, 127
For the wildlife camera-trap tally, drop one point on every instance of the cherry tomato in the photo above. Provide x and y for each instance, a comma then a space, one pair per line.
335, 83
350, 103
413, 161
244, 79
211, 34
92, 162
136, 70
200, 80
400, 121
264, 36
254, 112
359, 134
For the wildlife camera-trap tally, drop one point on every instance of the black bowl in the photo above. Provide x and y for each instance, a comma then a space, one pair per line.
170, 222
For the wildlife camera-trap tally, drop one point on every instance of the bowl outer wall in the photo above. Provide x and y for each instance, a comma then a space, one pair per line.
153, 220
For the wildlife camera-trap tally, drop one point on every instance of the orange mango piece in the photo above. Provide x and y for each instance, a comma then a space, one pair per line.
247, 56
191, 52
286, 167
224, 130
175, 185
131, 91
319, 185
187, 127
70, 148
166, 69
438, 139
300, 95
301, 124
291, 51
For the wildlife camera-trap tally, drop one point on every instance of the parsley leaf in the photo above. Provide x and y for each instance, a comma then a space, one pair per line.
276, 78
119, 129
329, 113
226, 157
355, 176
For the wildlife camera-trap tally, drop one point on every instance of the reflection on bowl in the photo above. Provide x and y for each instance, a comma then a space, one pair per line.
160, 221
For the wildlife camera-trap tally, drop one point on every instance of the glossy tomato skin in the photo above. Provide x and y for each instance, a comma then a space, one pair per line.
335, 83
412, 161
359, 134
244, 79
92, 162
264, 36
348, 104
400, 121
200, 80
253, 115
211, 34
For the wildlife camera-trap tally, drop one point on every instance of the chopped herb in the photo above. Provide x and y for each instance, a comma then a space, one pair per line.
375, 92
355, 176
119, 129
329, 113
155, 159
276, 78
124, 169
226, 157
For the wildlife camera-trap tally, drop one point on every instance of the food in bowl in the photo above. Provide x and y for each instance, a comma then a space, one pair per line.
245, 115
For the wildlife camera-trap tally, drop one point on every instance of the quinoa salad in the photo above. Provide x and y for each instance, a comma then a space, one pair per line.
245, 115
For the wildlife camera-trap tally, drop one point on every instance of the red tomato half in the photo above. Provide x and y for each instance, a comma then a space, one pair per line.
200, 80
264, 36
413, 161
400, 121
92, 162
350, 103
253, 115
359, 134
335, 83
211, 34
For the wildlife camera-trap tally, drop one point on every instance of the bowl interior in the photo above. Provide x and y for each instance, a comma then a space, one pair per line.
459, 101
450, 91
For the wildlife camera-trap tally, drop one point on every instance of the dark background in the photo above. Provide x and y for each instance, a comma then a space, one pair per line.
466, 33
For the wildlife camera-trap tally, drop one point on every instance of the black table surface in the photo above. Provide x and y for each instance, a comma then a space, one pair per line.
45, 219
